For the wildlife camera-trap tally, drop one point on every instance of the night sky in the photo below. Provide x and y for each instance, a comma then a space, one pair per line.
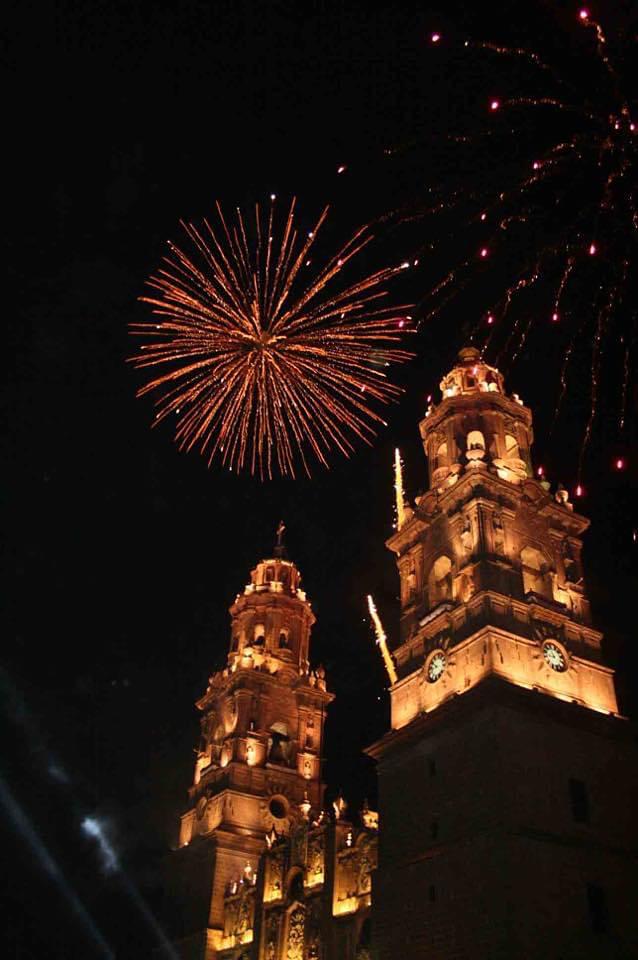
124, 554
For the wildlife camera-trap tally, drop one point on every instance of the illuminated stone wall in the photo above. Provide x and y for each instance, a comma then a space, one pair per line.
507, 784
498, 810
258, 760
311, 899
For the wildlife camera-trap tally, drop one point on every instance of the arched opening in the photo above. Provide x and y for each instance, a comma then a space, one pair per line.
440, 457
284, 640
440, 580
279, 744
411, 584
511, 447
270, 574
475, 440
533, 571
259, 634
295, 887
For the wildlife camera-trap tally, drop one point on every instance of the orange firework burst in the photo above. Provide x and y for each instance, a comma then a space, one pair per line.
258, 365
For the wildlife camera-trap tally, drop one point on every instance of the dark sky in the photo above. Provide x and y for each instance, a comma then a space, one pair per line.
124, 554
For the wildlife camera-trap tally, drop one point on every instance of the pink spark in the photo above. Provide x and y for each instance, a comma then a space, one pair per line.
592, 249
342, 168
483, 216
555, 317
429, 398
435, 37
401, 323
490, 318
620, 464
540, 471
580, 490
583, 14
484, 251
494, 104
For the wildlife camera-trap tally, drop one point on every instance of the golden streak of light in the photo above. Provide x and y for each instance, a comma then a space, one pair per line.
382, 641
398, 489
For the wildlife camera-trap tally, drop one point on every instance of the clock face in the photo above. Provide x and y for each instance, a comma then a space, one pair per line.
554, 656
436, 666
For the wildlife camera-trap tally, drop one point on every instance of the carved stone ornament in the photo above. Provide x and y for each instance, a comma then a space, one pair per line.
296, 933
314, 865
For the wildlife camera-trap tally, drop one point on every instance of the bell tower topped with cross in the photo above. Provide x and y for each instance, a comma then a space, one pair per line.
507, 782
490, 561
259, 759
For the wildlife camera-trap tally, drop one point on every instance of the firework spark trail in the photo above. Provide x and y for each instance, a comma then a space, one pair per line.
563, 218
259, 366
382, 641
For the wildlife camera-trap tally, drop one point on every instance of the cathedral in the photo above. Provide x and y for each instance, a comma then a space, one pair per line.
508, 780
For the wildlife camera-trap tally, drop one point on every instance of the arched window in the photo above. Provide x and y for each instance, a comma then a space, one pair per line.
440, 458
411, 584
511, 447
235, 643
295, 887
279, 744
260, 633
440, 580
284, 641
270, 574
475, 440
533, 570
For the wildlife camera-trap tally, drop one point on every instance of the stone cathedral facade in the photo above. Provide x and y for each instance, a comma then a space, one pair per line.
508, 782
262, 871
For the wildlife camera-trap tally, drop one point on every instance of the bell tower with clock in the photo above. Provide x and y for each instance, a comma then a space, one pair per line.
258, 761
503, 828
